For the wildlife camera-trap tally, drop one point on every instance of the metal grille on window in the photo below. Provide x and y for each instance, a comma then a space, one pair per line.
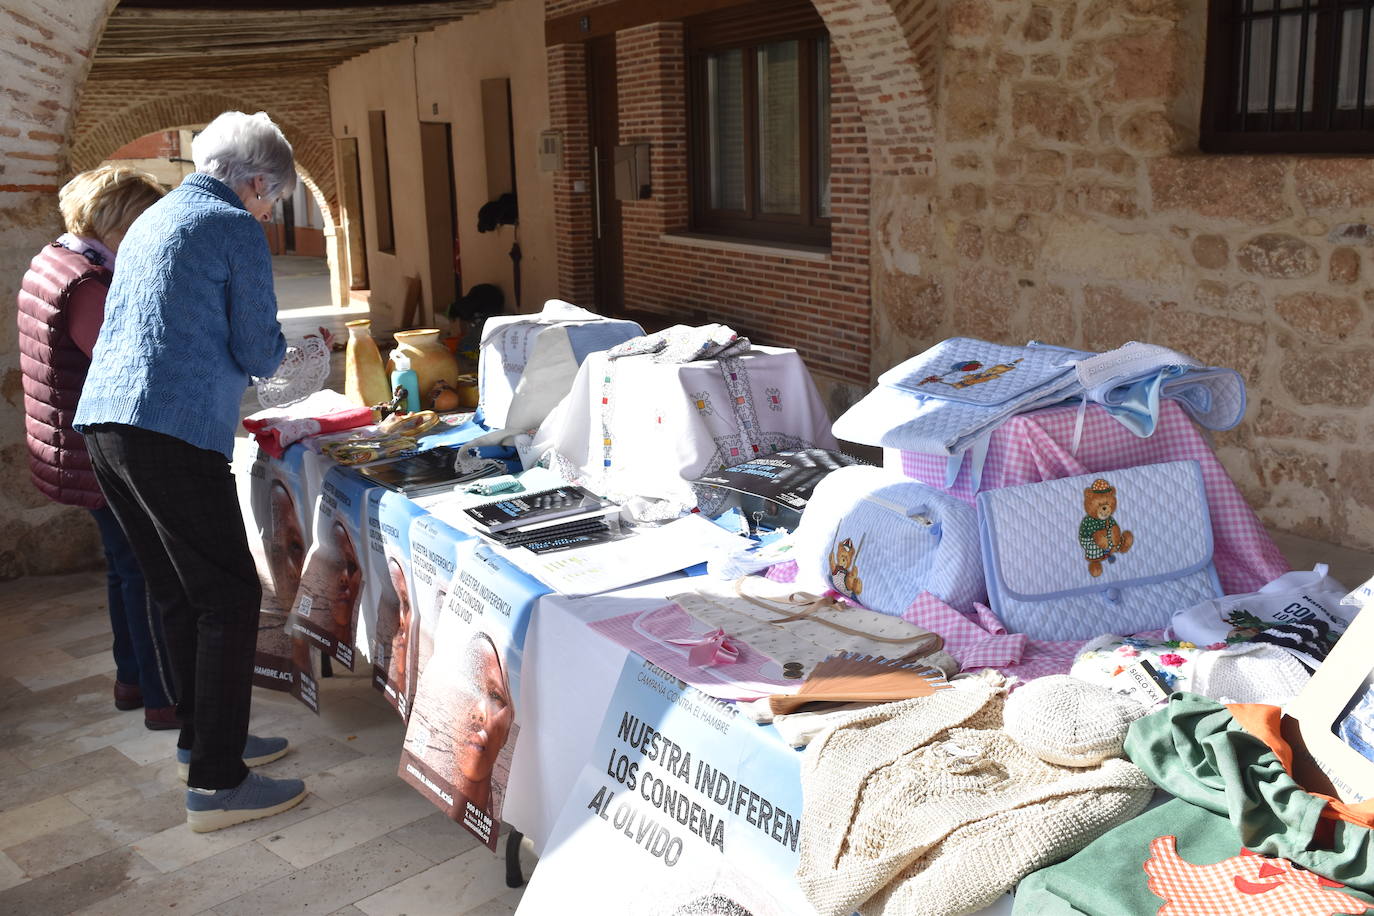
1302, 65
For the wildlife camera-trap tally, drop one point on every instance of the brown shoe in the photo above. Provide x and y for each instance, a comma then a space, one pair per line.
161, 718
127, 696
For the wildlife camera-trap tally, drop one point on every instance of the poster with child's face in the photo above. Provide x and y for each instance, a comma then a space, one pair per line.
434, 549
462, 730
332, 579
389, 623
279, 538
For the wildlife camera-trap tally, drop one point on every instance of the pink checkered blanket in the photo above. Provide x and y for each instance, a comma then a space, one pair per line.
1036, 446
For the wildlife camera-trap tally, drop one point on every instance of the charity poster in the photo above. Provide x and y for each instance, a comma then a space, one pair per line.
462, 730
389, 622
280, 504
686, 807
433, 557
333, 577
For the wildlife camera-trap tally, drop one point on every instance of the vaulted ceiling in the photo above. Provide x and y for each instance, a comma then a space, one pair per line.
151, 39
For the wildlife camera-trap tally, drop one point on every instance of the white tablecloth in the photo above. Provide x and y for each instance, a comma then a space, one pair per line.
571, 672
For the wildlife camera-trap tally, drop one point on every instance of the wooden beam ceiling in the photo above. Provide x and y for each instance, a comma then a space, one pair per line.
157, 39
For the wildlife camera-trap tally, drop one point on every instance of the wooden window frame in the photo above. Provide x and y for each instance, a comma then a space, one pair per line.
1325, 128
710, 35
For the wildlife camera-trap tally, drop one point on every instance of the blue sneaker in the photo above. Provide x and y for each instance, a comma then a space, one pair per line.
256, 752
255, 797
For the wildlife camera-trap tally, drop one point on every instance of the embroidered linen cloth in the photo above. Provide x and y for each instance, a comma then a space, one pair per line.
528, 362
633, 427
1038, 446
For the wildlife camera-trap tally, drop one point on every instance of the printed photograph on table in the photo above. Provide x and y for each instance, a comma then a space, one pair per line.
389, 623
280, 504
686, 807
332, 581
462, 730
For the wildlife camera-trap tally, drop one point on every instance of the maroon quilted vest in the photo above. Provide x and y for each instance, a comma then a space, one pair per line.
54, 370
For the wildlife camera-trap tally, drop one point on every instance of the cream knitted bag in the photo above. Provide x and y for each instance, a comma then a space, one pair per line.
927, 807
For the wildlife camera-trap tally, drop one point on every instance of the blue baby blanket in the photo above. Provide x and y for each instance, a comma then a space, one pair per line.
1130, 380
958, 390
1082, 556
951, 397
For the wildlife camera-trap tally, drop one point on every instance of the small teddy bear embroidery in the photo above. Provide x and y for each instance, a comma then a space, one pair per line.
1099, 534
844, 570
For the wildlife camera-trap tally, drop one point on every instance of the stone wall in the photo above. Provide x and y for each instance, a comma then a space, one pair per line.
47, 46
52, 124
1070, 205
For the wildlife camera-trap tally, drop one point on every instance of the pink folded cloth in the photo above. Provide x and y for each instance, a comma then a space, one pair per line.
274, 434
730, 669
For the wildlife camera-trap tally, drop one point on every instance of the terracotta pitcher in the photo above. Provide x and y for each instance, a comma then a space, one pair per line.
430, 359
365, 380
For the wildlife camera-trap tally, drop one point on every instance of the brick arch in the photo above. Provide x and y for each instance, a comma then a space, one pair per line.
46, 55
97, 137
891, 51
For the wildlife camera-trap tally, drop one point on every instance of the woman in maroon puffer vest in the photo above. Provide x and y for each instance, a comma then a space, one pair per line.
61, 308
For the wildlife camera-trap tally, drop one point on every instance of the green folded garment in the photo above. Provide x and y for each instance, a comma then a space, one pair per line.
1193, 854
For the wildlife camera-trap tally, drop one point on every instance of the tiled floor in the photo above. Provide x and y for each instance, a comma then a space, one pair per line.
92, 816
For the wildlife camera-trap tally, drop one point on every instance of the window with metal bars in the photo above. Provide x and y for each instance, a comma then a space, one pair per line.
1289, 76
759, 102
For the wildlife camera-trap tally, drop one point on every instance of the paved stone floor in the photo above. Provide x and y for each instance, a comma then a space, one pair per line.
92, 816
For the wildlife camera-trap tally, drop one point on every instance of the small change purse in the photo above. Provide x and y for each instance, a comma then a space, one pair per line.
1115, 552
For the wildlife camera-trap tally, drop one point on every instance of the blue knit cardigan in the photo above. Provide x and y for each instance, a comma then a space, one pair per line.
190, 317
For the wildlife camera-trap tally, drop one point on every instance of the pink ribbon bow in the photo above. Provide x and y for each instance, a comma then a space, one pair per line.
713, 648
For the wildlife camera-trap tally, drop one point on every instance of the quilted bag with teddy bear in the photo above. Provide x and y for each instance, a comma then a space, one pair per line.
1082, 556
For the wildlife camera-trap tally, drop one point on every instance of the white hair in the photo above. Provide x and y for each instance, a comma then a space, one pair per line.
236, 148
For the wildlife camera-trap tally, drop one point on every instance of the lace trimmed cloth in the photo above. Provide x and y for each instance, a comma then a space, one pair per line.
303, 371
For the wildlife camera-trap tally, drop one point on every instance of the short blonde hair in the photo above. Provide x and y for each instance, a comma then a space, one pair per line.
105, 201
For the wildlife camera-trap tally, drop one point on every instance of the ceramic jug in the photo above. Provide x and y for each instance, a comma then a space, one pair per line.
365, 379
430, 359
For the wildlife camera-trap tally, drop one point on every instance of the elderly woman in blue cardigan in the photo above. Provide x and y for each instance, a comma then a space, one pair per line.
191, 316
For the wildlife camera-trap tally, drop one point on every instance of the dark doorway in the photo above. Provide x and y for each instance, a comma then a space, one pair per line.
288, 220
608, 233
351, 199
441, 217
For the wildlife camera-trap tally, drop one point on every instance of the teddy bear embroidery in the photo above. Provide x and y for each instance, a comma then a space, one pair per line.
1247, 883
844, 568
1099, 534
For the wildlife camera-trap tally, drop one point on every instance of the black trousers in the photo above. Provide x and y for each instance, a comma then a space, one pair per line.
178, 505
